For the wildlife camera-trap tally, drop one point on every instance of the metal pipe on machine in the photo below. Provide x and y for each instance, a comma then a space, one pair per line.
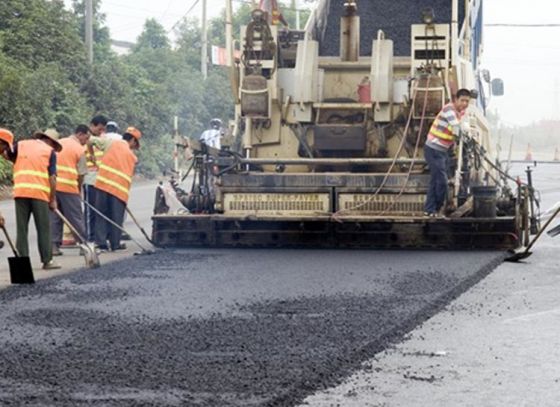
331, 161
350, 33
454, 31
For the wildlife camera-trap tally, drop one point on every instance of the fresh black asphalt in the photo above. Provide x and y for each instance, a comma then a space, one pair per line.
218, 327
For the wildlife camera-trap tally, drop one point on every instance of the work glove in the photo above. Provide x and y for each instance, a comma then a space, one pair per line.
465, 126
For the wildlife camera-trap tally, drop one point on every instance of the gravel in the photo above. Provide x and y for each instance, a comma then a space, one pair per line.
218, 327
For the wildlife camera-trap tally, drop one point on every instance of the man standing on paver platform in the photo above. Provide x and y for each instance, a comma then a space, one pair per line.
93, 156
113, 186
71, 168
211, 137
35, 191
441, 139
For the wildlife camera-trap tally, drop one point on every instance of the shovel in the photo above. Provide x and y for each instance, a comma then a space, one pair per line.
97, 211
523, 254
20, 267
90, 256
139, 226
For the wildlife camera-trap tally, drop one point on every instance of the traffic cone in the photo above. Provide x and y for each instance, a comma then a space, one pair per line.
557, 154
529, 155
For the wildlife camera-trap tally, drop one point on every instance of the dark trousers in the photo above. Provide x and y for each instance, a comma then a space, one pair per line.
40, 210
90, 193
437, 189
71, 207
113, 208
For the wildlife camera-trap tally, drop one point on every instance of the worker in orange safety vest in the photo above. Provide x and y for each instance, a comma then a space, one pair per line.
113, 183
71, 168
34, 191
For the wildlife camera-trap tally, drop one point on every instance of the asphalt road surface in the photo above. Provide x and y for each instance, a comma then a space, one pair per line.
217, 327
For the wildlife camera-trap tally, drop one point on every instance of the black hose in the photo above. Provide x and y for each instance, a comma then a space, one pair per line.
300, 135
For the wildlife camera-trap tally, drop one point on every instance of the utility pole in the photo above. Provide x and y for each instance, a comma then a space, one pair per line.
204, 56
229, 33
89, 30
176, 148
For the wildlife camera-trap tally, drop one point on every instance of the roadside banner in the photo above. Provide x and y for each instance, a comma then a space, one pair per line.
219, 55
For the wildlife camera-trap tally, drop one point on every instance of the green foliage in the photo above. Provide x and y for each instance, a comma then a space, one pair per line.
153, 37
6, 171
46, 82
34, 99
39, 32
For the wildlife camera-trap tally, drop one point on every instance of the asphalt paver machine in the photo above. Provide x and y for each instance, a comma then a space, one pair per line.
326, 148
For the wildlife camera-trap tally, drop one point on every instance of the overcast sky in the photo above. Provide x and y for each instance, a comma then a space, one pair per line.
528, 59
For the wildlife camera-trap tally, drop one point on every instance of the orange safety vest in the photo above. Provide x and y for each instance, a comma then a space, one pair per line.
31, 170
67, 165
116, 170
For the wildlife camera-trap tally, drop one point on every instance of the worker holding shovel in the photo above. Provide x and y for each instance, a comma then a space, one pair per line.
34, 189
71, 167
113, 183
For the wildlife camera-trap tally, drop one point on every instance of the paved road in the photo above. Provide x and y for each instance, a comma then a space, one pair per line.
223, 327
217, 327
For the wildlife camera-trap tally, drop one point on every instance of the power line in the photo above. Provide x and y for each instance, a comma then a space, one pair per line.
283, 6
185, 15
128, 7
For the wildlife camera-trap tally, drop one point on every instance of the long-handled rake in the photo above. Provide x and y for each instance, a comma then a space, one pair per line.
523, 254
97, 211
139, 226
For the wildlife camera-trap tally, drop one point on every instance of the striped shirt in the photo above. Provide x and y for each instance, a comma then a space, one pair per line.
447, 119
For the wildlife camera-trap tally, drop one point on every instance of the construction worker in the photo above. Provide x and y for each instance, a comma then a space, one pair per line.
71, 168
97, 128
112, 131
98, 125
6, 145
275, 16
113, 186
35, 191
211, 137
441, 139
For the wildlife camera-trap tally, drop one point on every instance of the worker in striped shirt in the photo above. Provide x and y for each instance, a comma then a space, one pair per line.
441, 139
